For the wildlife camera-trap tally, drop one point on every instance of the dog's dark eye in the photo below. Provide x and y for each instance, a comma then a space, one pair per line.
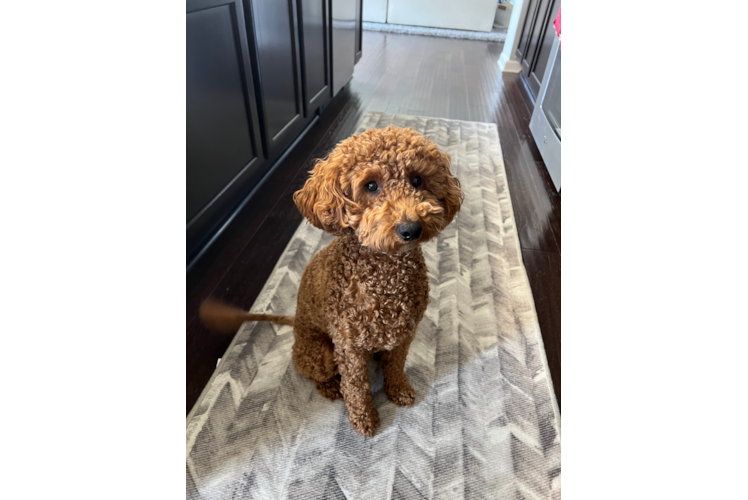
372, 187
417, 181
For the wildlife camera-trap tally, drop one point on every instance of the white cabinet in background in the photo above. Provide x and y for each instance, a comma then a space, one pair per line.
375, 11
472, 15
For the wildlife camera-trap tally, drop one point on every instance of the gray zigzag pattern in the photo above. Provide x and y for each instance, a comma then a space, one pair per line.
485, 424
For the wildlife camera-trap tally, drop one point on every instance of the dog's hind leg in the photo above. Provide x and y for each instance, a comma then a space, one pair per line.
314, 358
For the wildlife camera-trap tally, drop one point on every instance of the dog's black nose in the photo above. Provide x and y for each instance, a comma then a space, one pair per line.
409, 231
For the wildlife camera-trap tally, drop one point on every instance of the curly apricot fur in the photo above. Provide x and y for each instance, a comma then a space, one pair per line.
367, 291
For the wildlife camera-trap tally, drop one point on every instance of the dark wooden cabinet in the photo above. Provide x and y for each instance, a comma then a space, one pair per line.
536, 41
276, 45
544, 51
222, 121
258, 72
315, 63
526, 28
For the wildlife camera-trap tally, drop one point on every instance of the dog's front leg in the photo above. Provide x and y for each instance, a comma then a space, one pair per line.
396, 383
356, 391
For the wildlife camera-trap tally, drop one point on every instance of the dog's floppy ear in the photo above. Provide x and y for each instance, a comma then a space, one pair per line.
322, 200
453, 195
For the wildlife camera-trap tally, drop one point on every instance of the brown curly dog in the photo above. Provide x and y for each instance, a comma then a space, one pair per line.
383, 193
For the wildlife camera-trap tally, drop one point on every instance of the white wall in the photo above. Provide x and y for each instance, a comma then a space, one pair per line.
375, 11
474, 15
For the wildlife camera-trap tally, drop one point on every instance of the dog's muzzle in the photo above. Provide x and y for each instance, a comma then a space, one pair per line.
409, 231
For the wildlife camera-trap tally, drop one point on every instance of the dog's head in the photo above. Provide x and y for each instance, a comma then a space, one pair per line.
391, 186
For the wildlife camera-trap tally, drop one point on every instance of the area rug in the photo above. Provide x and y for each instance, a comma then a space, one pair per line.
495, 35
485, 423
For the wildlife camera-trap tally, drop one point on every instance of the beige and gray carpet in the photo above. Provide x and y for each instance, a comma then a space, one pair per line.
485, 421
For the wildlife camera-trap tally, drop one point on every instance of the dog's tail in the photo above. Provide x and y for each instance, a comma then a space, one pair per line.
223, 318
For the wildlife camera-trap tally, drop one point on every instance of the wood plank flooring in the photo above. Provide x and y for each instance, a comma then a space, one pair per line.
406, 74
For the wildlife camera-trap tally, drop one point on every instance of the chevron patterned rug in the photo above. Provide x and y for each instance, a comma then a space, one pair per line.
495, 35
485, 423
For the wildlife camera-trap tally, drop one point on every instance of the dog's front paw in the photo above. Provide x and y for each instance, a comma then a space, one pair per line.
364, 422
402, 394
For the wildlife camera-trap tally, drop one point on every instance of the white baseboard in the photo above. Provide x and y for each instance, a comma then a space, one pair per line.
507, 65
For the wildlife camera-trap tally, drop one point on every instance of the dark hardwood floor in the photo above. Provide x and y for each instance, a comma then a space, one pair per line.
406, 74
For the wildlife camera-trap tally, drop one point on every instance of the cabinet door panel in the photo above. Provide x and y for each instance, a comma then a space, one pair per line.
532, 47
313, 19
544, 50
536, 41
275, 41
221, 114
524, 40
